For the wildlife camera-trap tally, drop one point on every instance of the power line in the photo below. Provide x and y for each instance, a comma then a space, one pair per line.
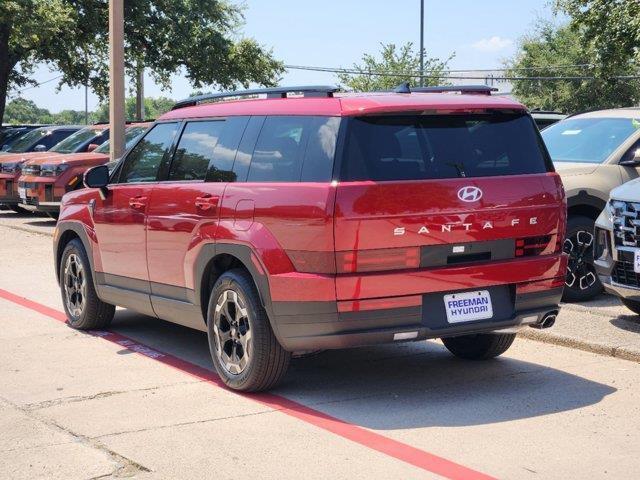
18, 92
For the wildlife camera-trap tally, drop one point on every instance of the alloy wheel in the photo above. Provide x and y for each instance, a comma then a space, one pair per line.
581, 274
232, 332
75, 285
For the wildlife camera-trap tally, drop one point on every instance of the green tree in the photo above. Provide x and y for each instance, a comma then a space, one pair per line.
71, 117
21, 110
589, 82
612, 26
395, 66
200, 38
154, 107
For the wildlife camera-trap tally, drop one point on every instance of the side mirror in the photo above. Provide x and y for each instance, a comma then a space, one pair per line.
6, 147
632, 161
98, 177
92, 147
40, 148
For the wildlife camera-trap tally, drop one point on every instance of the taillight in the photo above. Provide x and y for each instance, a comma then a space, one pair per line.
540, 245
377, 260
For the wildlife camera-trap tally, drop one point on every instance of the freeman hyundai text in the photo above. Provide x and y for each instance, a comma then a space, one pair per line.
312, 219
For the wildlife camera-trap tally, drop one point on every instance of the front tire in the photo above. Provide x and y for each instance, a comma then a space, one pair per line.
244, 349
482, 346
632, 305
85, 311
582, 282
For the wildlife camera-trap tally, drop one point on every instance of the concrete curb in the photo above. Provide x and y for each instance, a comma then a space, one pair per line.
621, 351
28, 230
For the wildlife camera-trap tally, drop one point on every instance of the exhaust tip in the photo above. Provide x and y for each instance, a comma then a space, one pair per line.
548, 320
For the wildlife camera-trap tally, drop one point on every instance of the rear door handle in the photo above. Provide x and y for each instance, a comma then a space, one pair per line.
138, 203
207, 202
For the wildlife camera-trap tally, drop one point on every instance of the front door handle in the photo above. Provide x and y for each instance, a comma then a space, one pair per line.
138, 203
207, 202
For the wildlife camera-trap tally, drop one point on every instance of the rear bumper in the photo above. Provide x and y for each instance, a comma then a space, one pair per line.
318, 325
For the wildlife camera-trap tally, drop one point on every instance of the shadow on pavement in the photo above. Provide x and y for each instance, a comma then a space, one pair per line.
399, 386
629, 323
45, 222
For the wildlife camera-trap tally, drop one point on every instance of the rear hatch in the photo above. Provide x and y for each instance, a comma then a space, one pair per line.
431, 191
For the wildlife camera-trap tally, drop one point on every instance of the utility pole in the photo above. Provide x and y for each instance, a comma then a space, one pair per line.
422, 43
140, 113
116, 78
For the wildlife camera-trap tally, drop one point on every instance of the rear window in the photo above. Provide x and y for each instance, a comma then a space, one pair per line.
74, 142
420, 147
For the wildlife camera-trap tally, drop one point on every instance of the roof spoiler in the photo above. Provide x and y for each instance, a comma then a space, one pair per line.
465, 89
275, 92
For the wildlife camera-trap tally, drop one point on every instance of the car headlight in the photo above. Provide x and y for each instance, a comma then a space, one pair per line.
11, 167
53, 170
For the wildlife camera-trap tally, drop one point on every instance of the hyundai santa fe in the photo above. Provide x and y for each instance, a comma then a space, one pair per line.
312, 219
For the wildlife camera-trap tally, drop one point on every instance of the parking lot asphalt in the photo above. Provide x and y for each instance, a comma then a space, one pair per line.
141, 400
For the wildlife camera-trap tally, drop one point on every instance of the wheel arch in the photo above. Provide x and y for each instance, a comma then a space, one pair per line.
216, 258
66, 232
585, 204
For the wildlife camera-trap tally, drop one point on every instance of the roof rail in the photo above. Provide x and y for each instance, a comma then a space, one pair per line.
275, 92
468, 89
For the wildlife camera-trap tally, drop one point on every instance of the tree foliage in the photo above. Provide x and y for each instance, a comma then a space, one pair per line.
590, 82
612, 25
153, 107
395, 66
21, 110
200, 38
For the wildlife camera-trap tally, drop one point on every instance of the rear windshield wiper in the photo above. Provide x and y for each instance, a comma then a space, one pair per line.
459, 167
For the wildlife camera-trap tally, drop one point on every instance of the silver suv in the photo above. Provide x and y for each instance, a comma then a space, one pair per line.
617, 245
593, 153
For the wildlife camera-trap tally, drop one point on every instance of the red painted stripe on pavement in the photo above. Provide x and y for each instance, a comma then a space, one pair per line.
393, 448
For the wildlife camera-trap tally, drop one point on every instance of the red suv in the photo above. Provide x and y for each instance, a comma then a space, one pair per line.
314, 220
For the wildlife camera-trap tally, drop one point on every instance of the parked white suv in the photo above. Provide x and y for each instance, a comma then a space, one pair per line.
617, 244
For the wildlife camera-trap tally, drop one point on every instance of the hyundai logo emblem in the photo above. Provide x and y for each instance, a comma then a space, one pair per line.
469, 194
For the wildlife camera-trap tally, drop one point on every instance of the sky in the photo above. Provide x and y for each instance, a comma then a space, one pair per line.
332, 33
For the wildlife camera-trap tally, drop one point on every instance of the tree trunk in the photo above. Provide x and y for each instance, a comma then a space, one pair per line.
5, 68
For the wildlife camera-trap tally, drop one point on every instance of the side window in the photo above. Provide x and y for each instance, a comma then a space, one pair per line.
321, 148
278, 153
631, 153
195, 150
143, 162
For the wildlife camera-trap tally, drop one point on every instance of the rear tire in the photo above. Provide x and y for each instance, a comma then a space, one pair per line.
244, 349
482, 346
582, 281
85, 311
632, 305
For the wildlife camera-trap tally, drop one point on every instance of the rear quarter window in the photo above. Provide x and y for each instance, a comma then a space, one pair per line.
420, 147
293, 149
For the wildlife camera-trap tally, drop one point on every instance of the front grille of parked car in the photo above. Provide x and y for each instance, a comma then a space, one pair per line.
31, 170
626, 223
623, 274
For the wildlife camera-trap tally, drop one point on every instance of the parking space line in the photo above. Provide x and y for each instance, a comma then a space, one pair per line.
367, 438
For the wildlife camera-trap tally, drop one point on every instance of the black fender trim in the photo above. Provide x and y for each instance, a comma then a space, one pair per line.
77, 228
583, 198
242, 253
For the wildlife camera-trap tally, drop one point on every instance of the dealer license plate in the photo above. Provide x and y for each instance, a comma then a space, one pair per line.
468, 306
636, 261
22, 193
